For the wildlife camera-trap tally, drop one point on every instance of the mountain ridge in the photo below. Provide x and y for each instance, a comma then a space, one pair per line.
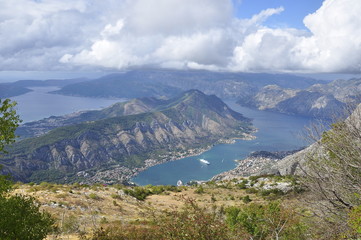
192, 120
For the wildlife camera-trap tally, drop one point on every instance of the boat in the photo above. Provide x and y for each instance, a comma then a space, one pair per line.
179, 183
204, 161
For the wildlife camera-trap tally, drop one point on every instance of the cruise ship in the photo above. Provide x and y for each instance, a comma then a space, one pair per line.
204, 161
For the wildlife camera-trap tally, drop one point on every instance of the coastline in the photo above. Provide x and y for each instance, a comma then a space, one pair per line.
191, 152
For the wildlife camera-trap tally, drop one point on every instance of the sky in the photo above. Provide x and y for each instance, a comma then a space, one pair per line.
298, 36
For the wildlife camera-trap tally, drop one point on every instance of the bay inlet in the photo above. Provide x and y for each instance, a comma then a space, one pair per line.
276, 132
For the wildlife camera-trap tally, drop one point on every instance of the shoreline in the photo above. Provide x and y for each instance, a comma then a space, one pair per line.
194, 152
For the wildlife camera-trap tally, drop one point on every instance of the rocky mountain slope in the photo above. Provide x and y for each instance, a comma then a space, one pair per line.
295, 162
117, 147
134, 106
319, 100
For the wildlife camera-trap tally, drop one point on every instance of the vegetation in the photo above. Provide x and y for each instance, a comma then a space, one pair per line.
333, 175
141, 193
266, 221
20, 218
9, 121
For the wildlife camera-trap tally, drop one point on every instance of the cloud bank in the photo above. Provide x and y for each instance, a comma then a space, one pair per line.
202, 34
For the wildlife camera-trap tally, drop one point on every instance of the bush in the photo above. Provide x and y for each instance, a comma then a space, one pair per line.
354, 222
139, 193
199, 190
246, 199
242, 185
94, 196
191, 223
271, 221
20, 218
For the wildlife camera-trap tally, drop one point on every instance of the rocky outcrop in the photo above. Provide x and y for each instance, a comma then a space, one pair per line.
191, 120
257, 163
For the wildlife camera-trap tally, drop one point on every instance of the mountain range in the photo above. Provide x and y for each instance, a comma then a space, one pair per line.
112, 144
324, 101
164, 82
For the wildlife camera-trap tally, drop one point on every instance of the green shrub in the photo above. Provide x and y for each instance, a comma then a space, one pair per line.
246, 199
139, 193
192, 223
94, 196
199, 190
251, 190
271, 221
20, 218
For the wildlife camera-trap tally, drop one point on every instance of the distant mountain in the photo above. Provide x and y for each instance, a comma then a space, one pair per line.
20, 87
8, 90
162, 82
117, 147
120, 85
135, 106
319, 100
48, 83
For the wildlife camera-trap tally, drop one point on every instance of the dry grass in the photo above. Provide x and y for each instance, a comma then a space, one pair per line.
86, 208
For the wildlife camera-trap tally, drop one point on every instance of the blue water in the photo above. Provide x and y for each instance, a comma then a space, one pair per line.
276, 132
40, 104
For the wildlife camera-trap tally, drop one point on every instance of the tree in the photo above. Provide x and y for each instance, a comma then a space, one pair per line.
333, 171
20, 217
9, 121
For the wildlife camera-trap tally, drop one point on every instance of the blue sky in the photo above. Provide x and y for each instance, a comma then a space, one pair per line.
292, 16
287, 36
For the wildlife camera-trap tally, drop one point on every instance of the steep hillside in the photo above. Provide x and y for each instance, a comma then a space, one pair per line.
113, 149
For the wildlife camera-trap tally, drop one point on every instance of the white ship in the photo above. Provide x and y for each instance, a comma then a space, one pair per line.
179, 183
204, 161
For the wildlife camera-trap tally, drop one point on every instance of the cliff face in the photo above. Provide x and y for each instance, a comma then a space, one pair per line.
125, 142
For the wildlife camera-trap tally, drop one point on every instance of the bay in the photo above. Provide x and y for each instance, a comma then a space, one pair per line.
40, 104
276, 132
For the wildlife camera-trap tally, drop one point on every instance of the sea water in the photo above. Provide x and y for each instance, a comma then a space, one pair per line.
276, 132
40, 104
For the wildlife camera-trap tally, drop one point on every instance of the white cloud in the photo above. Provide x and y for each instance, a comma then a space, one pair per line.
333, 44
202, 34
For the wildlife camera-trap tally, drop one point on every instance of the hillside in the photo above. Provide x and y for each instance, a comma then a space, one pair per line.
319, 100
9, 90
17, 88
83, 208
114, 149
134, 106
119, 85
